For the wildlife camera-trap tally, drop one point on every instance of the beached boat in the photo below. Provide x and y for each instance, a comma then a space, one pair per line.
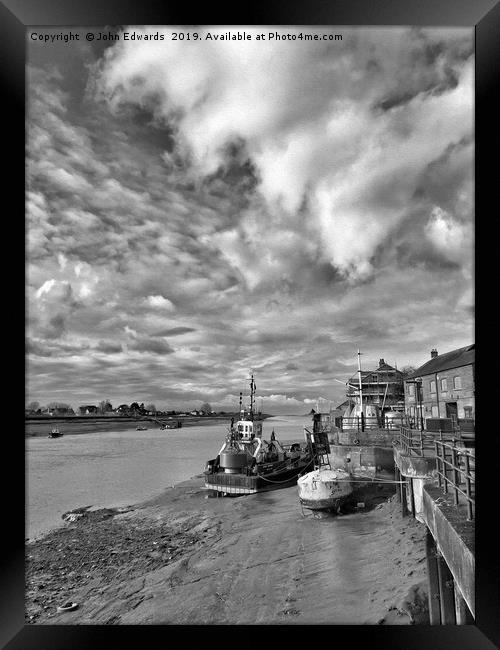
55, 433
323, 488
246, 463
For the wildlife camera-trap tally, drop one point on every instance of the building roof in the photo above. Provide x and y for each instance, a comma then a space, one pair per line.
384, 366
454, 359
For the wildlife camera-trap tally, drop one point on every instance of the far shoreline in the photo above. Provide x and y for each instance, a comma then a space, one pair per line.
77, 425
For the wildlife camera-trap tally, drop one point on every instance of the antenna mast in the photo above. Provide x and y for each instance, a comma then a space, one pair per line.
252, 395
360, 385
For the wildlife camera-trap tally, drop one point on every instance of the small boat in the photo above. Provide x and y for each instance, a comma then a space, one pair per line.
246, 463
55, 433
141, 428
323, 488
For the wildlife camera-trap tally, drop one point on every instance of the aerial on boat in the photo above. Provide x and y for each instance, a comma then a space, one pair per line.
246, 463
55, 433
323, 488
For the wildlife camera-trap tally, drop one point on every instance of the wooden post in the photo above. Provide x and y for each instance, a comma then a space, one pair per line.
397, 477
412, 496
446, 595
432, 580
404, 505
462, 612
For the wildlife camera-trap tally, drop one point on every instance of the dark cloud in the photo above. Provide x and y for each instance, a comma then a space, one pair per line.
174, 331
153, 345
108, 347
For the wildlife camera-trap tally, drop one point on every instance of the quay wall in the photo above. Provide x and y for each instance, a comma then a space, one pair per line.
363, 459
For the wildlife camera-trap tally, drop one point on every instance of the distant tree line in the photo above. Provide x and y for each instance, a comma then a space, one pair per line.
104, 407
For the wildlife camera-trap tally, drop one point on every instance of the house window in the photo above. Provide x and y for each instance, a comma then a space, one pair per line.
433, 386
468, 411
411, 390
457, 382
435, 412
444, 384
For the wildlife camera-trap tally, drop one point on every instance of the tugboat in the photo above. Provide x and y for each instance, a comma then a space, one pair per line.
324, 488
55, 433
246, 463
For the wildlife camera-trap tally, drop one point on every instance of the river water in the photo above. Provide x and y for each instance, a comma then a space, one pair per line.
119, 468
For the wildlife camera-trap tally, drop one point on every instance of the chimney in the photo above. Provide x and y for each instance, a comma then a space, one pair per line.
434, 353
381, 363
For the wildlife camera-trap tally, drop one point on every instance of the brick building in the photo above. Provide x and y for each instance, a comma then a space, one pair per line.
443, 387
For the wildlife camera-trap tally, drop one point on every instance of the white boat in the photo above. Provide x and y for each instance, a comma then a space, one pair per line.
324, 489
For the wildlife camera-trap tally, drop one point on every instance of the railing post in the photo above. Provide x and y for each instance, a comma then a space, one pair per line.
467, 487
455, 473
445, 467
438, 463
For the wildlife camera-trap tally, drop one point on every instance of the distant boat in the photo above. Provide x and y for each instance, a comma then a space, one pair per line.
177, 425
141, 428
55, 433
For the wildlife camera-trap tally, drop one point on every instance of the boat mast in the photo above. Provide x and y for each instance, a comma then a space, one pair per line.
252, 394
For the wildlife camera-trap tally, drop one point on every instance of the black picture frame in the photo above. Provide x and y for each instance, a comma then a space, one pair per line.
484, 15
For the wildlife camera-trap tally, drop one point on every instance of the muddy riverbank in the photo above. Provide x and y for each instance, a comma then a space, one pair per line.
188, 558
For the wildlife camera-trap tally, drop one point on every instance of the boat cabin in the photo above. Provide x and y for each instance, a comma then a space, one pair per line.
248, 430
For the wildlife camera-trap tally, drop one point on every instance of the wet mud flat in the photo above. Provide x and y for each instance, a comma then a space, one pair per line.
187, 557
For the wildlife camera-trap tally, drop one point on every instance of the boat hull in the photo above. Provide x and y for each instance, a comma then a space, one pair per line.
324, 489
241, 483
323, 504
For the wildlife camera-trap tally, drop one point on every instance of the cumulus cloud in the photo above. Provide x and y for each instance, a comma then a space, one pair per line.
449, 236
325, 152
160, 302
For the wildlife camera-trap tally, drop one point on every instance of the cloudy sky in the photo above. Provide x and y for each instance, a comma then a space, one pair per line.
197, 209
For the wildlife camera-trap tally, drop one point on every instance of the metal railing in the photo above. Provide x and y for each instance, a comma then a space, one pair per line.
417, 441
453, 475
363, 423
